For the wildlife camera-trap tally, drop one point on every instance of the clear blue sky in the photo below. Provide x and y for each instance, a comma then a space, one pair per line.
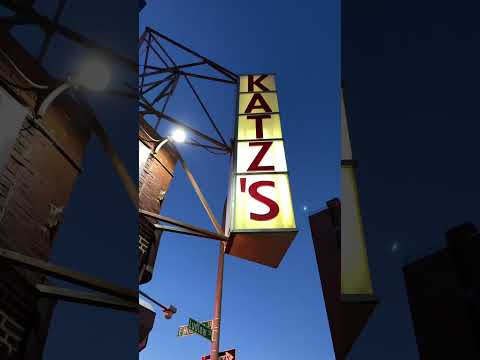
267, 313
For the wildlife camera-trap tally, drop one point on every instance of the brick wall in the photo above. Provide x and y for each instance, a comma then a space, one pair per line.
153, 186
35, 185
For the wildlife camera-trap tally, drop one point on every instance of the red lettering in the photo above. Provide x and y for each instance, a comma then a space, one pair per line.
252, 83
258, 123
255, 165
252, 104
272, 205
242, 184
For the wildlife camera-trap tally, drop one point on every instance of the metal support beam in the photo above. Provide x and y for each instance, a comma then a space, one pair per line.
158, 54
152, 85
156, 83
49, 35
168, 220
205, 146
149, 45
164, 308
172, 86
62, 273
179, 230
200, 195
152, 110
130, 186
217, 310
173, 69
82, 297
205, 77
205, 109
217, 67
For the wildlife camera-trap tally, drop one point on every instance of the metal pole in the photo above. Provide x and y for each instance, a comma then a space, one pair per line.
152, 300
218, 305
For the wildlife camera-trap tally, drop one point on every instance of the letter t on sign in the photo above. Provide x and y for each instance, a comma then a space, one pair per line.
258, 123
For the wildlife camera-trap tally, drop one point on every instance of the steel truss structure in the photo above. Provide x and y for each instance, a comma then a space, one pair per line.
160, 83
163, 80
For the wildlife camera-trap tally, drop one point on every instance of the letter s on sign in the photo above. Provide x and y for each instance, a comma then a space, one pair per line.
274, 209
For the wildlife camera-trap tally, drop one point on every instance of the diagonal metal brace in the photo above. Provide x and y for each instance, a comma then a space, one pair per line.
180, 230
183, 225
62, 273
199, 193
151, 110
83, 297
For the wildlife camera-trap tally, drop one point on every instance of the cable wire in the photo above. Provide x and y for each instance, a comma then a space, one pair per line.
16, 86
32, 83
208, 149
151, 138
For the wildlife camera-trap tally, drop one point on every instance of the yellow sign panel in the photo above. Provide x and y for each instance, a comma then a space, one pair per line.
258, 103
252, 127
257, 83
263, 202
261, 156
260, 196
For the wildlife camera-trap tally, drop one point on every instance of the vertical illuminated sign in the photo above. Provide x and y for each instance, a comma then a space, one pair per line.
260, 213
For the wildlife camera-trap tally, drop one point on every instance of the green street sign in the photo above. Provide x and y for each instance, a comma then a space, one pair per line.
185, 331
200, 329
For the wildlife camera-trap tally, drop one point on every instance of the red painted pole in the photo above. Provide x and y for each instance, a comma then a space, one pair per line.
218, 305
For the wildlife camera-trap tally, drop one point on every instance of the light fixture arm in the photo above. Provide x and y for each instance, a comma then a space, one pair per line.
159, 146
168, 311
52, 96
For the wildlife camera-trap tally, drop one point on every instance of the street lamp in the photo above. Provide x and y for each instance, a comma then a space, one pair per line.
169, 312
178, 135
93, 75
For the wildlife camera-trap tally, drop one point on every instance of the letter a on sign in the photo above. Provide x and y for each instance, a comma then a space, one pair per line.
260, 218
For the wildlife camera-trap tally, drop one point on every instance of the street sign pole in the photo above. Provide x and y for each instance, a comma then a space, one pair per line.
218, 305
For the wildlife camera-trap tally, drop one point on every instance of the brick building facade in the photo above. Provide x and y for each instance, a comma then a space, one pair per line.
38, 169
156, 168
155, 175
